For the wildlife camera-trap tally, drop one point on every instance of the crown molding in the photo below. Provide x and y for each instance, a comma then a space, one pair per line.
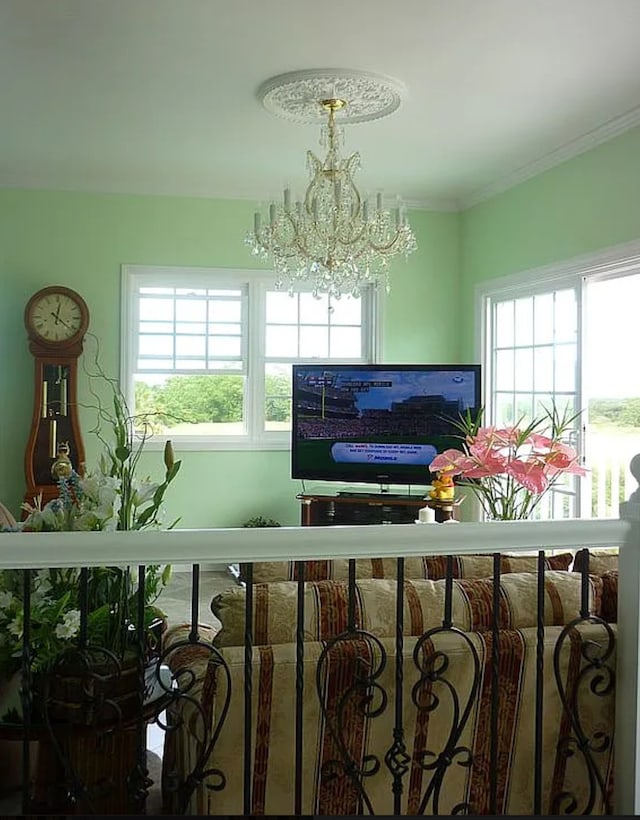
573, 148
433, 204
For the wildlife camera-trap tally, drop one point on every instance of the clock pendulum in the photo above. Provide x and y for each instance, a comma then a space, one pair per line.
56, 319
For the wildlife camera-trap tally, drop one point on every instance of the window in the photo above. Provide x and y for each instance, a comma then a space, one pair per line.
546, 335
207, 359
531, 358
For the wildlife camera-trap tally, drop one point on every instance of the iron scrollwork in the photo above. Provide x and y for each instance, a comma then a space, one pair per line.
433, 667
596, 673
365, 696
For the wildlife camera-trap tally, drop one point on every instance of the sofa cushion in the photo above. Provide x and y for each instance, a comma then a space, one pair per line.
429, 714
428, 566
326, 606
600, 561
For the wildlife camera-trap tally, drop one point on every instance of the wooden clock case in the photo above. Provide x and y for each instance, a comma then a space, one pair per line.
55, 421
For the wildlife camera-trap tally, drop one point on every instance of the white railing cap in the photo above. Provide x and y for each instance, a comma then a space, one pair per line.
226, 546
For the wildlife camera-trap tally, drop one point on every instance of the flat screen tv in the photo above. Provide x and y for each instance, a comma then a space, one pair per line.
377, 424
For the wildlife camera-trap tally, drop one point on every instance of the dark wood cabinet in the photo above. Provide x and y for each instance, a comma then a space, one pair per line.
360, 508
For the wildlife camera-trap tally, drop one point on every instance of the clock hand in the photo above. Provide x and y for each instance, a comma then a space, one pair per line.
56, 315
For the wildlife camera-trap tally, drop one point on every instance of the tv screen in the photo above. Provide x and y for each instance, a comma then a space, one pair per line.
378, 424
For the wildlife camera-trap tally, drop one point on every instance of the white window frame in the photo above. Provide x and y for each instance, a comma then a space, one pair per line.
256, 285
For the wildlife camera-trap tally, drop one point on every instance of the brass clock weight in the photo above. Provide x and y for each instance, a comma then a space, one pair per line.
56, 319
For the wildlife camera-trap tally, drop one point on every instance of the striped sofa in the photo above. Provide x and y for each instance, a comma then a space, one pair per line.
435, 727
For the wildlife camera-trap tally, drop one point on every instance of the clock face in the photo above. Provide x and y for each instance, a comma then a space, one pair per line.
55, 317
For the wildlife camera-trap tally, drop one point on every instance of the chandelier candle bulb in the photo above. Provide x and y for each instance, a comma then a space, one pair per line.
379, 202
287, 199
256, 222
272, 214
365, 211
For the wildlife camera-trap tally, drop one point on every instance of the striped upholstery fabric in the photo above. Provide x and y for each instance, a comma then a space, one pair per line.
600, 561
367, 733
428, 566
327, 606
610, 596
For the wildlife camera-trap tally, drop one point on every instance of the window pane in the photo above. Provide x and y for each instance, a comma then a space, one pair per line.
277, 411
345, 342
524, 408
282, 308
524, 369
281, 341
225, 346
565, 376
524, 321
504, 408
312, 310
190, 346
345, 311
191, 310
155, 346
565, 316
225, 310
504, 324
314, 341
193, 405
543, 368
504, 370
190, 327
156, 309
543, 318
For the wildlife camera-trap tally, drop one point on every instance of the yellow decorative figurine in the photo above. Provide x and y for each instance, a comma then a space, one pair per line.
443, 487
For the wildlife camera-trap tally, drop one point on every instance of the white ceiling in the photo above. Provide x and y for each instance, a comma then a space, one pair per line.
159, 96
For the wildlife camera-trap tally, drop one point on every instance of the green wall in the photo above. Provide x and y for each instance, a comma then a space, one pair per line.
583, 205
81, 240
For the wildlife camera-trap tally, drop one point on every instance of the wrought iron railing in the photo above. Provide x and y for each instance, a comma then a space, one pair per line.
92, 759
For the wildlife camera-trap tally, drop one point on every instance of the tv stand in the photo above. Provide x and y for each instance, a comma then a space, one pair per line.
366, 508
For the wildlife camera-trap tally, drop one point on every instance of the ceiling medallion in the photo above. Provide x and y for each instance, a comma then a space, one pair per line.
332, 240
297, 94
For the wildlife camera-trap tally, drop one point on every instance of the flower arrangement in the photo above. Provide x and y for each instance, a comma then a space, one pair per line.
510, 469
111, 497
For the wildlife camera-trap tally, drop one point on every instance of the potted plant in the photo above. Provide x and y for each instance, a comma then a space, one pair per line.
112, 496
510, 469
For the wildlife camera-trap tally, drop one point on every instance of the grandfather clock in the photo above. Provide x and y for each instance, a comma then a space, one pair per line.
56, 319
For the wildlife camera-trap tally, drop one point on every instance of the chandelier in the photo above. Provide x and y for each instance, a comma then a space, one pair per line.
334, 240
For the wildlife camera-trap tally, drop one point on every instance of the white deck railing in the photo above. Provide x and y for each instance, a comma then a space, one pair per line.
222, 546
